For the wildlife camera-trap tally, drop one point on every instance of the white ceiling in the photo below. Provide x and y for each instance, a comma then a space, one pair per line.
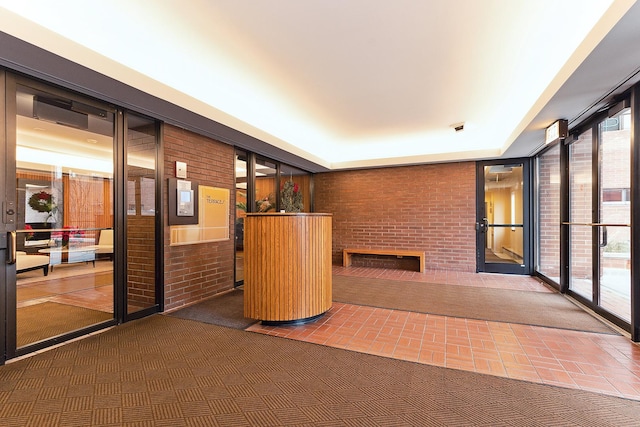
357, 83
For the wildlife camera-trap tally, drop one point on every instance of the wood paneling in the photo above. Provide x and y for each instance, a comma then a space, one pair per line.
86, 201
287, 266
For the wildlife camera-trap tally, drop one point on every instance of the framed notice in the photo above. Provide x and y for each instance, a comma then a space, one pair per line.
213, 219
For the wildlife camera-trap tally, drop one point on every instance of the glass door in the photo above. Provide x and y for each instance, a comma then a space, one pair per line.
62, 281
242, 207
142, 215
600, 215
502, 217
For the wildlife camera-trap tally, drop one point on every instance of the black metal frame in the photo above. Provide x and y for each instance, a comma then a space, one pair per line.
8, 343
159, 228
251, 194
565, 245
12, 82
635, 213
4, 227
527, 234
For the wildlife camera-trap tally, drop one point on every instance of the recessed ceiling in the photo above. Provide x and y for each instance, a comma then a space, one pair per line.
358, 83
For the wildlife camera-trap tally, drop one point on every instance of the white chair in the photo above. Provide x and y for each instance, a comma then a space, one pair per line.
26, 262
105, 243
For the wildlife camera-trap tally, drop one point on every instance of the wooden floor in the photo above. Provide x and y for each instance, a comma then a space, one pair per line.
603, 363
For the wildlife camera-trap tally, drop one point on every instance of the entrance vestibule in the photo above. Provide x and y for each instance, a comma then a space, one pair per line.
67, 245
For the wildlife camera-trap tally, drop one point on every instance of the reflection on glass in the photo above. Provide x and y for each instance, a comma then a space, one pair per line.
265, 182
141, 208
615, 208
64, 170
580, 199
241, 212
504, 209
295, 194
548, 208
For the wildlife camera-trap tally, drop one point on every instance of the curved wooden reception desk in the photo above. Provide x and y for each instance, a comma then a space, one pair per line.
287, 261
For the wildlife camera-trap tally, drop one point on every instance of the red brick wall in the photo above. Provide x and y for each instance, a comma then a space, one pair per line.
141, 237
549, 213
141, 278
199, 271
580, 187
427, 207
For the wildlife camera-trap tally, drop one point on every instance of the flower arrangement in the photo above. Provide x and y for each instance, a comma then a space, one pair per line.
30, 234
291, 197
66, 233
265, 204
43, 202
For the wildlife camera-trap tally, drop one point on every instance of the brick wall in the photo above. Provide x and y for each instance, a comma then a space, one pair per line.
426, 207
199, 271
580, 187
141, 234
549, 213
140, 262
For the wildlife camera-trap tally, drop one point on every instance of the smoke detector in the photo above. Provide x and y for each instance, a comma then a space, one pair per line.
458, 126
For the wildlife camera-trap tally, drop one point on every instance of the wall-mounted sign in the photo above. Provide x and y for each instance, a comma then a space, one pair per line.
213, 215
558, 130
183, 202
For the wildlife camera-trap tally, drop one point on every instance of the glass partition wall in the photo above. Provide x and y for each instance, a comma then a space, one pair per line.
614, 215
264, 185
597, 222
141, 203
547, 224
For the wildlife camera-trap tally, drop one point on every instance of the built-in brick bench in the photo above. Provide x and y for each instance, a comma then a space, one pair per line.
347, 253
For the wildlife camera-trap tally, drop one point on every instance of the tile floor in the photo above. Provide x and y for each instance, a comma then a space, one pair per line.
603, 363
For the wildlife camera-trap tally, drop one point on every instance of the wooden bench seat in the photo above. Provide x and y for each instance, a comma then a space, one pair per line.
346, 255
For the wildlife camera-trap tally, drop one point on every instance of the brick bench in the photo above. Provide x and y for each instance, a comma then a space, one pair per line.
347, 253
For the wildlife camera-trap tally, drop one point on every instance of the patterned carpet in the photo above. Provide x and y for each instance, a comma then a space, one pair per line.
48, 319
167, 371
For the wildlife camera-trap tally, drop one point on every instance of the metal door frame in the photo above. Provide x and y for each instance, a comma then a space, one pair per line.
526, 267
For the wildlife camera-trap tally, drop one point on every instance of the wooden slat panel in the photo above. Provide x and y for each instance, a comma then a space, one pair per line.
287, 266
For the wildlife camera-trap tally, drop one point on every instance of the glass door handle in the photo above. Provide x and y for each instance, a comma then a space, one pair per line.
604, 241
11, 247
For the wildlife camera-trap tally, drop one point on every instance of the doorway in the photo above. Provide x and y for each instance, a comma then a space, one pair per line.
59, 179
599, 225
502, 223
81, 216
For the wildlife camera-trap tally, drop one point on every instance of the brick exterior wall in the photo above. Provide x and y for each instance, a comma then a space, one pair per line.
427, 207
196, 272
549, 213
580, 187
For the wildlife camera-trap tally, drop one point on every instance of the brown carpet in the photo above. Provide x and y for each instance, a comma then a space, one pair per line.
498, 305
173, 372
223, 310
40, 321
